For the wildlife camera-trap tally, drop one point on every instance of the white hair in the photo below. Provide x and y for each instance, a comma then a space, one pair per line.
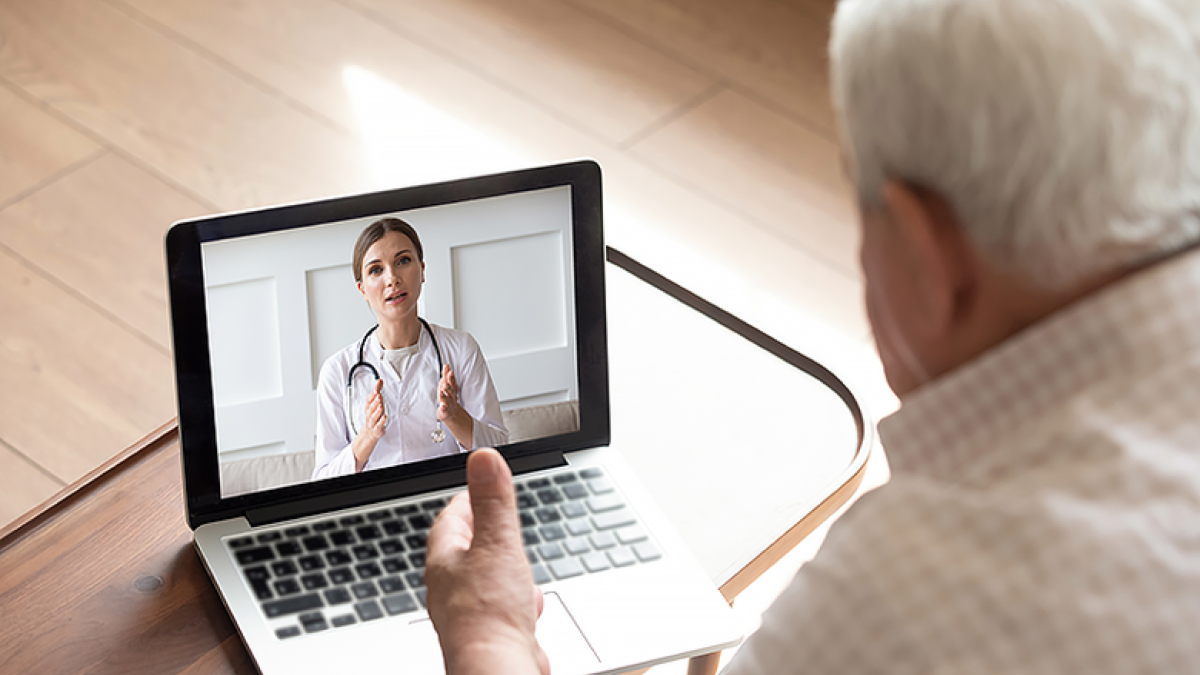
1064, 133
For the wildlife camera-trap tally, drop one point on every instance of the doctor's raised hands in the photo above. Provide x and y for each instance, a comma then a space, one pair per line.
374, 426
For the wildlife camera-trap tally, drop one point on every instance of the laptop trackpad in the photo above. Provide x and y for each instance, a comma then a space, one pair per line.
557, 633
561, 639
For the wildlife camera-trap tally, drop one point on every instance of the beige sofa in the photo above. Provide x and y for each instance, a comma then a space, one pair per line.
260, 473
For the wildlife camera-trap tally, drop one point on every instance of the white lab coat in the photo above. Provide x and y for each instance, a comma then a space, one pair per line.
410, 403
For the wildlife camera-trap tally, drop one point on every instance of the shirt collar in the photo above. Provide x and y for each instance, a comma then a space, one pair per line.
944, 427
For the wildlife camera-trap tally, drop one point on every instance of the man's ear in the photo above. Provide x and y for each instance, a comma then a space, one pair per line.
937, 251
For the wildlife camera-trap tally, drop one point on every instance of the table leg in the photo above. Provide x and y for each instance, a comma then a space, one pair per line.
704, 665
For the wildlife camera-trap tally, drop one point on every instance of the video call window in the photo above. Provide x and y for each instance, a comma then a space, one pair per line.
497, 294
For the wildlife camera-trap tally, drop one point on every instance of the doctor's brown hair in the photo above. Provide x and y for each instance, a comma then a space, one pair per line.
374, 232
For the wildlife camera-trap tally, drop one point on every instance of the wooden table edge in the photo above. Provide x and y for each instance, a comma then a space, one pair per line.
34, 517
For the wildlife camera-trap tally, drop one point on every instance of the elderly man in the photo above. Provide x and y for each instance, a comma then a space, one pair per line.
1028, 173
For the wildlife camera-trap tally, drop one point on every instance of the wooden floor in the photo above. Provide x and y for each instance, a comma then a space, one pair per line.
117, 117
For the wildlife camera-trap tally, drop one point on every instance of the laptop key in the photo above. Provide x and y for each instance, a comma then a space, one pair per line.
368, 610
365, 552
595, 562
605, 503
600, 486
527, 519
526, 501
548, 514
646, 551
603, 540
550, 496
299, 531
540, 575
578, 528
376, 516
293, 605
565, 478
613, 519
434, 505
351, 521
284, 568
287, 587
566, 568
530, 537
337, 596
394, 565
391, 546
421, 521
573, 510
621, 557
552, 533
341, 575
575, 491
311, 562
391, 585
550, 552
368, 533
267, 537
289, 632
341, 538
395, 527
288, 548
251, 556
576, 546
317, 543
531, 555
406, 510
417, 541
415, 579
257, 574
399, 604
631, 535
344, 620
242, 542
538, 483
368, 570
420, 593
592, 472
364, 590
313, 582
324, 526
262, 589
417, 559
338, 557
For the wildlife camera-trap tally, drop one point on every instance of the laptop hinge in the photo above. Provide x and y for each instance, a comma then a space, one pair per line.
275, 513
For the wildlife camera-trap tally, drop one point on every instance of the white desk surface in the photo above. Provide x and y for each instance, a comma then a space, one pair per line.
736, 445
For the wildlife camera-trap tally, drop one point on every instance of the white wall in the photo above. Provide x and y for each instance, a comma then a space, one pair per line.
279, 304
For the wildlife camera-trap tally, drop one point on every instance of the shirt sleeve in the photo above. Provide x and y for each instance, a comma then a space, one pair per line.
334, 456
477, 395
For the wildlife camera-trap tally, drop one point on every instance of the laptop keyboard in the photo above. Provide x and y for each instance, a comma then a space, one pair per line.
342, 571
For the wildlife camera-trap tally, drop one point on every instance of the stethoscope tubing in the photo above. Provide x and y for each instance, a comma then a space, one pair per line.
362, 363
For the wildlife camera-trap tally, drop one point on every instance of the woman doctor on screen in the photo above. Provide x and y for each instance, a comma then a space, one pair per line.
384, 400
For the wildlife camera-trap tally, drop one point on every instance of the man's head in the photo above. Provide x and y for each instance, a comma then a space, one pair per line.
1011, 156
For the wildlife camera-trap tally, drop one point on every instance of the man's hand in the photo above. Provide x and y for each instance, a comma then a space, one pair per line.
481, 596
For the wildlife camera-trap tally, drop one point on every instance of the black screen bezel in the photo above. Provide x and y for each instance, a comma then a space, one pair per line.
193, 374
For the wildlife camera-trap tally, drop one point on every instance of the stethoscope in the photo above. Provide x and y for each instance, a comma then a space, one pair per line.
439, 434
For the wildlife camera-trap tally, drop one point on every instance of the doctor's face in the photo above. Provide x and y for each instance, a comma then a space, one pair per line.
392, 277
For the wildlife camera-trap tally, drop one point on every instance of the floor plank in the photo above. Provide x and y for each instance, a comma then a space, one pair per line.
99, 231
301, 49
77, 388
758, 46
215, 134
592, 74
34, 146
785, 177
22, 485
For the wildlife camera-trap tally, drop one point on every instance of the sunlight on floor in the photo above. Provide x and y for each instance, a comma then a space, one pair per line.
409, 142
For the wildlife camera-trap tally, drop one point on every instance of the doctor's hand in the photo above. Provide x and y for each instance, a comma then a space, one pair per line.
481, 596
374, 424
449, 410
448, 407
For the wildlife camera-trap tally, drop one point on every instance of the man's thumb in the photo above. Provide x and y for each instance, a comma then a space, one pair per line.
489, 482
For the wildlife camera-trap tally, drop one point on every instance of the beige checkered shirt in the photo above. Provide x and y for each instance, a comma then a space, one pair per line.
1043, 515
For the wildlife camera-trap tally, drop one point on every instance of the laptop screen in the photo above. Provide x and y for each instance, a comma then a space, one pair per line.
460, 329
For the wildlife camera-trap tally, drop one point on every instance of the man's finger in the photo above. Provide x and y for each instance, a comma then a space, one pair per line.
493, 504
451, 532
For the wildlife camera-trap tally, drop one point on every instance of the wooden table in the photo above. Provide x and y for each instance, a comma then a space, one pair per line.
103, 578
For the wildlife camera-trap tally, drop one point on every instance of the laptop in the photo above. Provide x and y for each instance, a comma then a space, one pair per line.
320, 562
